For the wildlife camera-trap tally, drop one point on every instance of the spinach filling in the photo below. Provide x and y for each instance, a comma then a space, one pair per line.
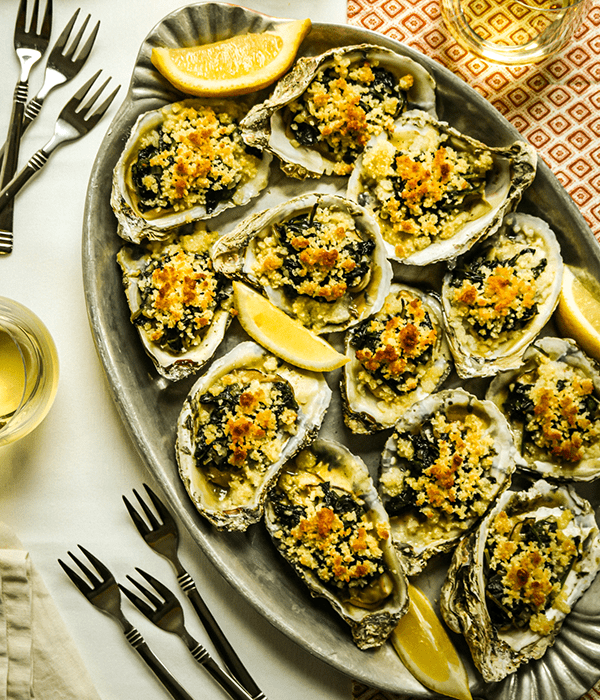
219, 450
485, 320
367, 335
291, 516
296, 271
538, 578
180, 336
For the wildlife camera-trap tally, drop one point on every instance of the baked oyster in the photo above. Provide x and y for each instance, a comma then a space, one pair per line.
241, 421
318, 257
552, 404
184, 162
179, 305
500, 295
434, 191
513, 581
398, 356
447, 460
325, 518
322, 113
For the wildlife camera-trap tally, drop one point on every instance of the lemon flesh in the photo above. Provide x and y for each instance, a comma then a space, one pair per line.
424, 647
235, 66
578, 314
282, 335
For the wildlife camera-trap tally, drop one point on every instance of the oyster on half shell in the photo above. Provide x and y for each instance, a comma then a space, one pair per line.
445, 463
326, 519
241, 421
513, 581
180, 307
318, 257
322, 112
398, 356
500, 295
184, 162
434, 191
552, 404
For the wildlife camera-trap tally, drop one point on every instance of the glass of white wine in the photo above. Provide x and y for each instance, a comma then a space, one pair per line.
513, 31
28, 371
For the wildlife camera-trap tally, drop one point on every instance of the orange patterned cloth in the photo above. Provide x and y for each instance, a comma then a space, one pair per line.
554, 104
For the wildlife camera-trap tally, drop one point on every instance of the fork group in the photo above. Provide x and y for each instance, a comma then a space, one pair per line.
162, 607
65, 60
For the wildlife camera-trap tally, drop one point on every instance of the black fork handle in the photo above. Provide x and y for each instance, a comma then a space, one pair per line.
137, 642
30, 113
35, 163
15, 130
222, 645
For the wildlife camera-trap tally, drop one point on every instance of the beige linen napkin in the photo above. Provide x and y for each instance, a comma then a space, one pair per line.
38, 658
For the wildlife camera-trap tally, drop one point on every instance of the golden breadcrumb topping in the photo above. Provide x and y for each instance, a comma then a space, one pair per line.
179, 292
243, 423
498, 292
317, 259
447, 477
559, 409
345, 105
395, 346
527, 560
195, 157
421, 189
325, 528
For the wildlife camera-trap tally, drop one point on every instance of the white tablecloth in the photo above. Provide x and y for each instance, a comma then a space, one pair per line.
62, 484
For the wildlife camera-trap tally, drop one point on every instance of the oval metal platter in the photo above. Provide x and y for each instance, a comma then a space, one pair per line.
149, 405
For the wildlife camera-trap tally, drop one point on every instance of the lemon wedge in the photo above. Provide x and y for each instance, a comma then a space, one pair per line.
235, 66
281, 334
578, 313
426, 650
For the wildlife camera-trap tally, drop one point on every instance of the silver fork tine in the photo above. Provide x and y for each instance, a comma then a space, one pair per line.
103, 593
75, 120
47, 22
168, 615
147, 592
163, 538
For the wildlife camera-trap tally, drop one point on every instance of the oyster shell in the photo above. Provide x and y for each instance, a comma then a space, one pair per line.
552, 537
241, 421
315, 139
318, 257
326, 520
552, 404
434, 191
168, 174
179, 305
446, 462
500, 295
398, 356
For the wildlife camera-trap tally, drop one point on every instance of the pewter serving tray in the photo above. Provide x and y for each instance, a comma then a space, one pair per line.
149, 405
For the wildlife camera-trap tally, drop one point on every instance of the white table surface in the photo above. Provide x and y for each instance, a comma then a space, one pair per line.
62, 485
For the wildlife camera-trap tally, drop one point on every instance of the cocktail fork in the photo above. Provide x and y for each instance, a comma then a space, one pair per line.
104, 594
163, 538
62, 65
166, 612
29, 47
76, 119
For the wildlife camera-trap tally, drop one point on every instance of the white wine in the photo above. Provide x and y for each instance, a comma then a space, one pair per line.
512, 31
12, 376
28, 371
